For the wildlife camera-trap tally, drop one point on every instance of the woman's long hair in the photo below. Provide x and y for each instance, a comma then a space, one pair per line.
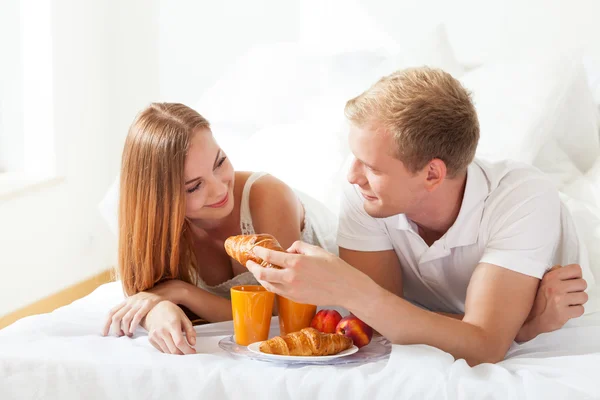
154, 241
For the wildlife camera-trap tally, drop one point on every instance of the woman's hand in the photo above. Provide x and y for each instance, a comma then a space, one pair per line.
125, 317
166, 323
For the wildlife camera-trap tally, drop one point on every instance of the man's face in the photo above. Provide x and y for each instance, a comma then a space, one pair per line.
386, 185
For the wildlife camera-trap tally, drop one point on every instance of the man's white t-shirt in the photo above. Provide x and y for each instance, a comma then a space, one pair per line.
511, 216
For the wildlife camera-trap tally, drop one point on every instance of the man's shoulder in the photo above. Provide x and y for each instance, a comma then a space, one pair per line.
514, 179
512, 184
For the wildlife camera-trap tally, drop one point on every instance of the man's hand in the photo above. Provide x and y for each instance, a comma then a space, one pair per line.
560, 297
309, 275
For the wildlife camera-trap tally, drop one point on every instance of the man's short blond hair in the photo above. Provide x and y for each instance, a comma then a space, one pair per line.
429, 114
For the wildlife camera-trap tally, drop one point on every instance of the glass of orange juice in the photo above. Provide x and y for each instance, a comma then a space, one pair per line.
252, 308
294, 316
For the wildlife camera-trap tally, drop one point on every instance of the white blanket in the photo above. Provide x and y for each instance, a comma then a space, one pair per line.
62, 356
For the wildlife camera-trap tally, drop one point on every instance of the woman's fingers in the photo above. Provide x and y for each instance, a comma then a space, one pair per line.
109, 321
115, 320
168, 339
190, 332
139, 315
126, 321
180, 342
159, 344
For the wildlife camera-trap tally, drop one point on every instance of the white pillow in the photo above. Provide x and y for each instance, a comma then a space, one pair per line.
557, 164
522, 105
586, 217
307, 155
269, 84
280, 83
591, 62
350, 73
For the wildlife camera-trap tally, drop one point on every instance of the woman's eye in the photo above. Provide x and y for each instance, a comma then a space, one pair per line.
196, 187
221, 161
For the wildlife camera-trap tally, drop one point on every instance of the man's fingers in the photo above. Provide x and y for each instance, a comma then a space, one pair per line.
265, 274
279, 258
271, 287
573, 285
576, 311
300, 247
575, 299
571, 271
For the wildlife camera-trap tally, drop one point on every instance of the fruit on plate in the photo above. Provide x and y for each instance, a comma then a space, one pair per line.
352, 327
326, 321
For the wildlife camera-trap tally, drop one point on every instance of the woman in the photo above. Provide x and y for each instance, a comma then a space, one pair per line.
180, 198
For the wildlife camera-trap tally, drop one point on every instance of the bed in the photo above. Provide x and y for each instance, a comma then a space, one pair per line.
537, 111
62, 355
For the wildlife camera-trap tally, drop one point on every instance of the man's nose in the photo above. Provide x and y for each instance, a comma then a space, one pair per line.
355, 175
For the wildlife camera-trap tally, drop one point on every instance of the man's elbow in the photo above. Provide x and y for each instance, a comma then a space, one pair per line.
492, 353
484, 359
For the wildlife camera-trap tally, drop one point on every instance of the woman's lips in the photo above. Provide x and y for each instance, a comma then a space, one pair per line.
221, 203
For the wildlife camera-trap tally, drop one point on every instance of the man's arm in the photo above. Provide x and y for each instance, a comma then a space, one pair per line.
381, 266
498, 302
523, 234
483, 335
384, 268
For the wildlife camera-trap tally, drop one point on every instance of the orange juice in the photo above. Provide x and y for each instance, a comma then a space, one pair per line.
294, 316
252, 308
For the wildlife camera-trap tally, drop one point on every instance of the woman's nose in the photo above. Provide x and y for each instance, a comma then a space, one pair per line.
218, 187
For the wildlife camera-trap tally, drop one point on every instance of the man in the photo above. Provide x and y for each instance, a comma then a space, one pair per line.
424, 224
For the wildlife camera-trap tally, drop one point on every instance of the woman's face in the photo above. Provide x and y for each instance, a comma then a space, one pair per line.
209, 178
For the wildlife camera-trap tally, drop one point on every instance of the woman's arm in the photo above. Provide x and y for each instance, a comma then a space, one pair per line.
202, 303
276, 210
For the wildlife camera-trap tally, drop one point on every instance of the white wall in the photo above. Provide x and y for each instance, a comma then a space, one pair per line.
11, 110
104, 71
484, 31
200, 39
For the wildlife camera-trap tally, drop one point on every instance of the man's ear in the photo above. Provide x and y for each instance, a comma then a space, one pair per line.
436, 173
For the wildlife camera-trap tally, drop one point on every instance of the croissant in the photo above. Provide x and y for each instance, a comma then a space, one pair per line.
306, 342
239, 248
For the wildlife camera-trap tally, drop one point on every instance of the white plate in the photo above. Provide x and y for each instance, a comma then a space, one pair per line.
254, 347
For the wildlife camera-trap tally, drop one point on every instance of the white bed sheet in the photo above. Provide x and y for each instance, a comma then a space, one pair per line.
62, 355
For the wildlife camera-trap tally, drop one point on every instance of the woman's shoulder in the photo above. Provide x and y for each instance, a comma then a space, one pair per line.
270, 195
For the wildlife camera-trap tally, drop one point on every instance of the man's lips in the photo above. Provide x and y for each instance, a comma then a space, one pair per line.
371, 198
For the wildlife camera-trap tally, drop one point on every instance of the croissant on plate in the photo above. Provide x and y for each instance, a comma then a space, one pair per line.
306, 342
240, 248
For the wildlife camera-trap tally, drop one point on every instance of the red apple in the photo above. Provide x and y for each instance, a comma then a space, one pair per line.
360, 333
326, 321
